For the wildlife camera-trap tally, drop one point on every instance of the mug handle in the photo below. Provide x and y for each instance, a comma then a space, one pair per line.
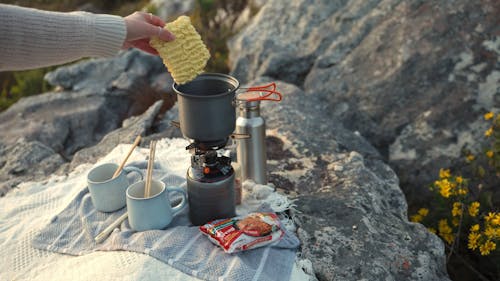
130, 169
181, 205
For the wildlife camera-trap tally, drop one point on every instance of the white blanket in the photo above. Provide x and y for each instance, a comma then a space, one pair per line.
26, 210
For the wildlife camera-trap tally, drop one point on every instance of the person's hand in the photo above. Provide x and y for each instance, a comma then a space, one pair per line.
141, 27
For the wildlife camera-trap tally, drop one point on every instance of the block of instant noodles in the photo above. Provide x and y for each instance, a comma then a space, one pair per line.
186, 56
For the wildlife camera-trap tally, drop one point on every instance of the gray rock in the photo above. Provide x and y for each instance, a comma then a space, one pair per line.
131, 128
133, 77
164, 127
309, 116
170, 9
26, 161
97, 96
373, 71
355, 227
286, 37
351, 213
63, 121
413, 77
146, 125
94, 97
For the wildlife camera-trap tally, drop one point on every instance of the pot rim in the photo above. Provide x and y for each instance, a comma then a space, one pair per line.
210, 76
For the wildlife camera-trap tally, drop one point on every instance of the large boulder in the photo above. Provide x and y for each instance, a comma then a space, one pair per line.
351, 213
131, 128
152, 124
31, 160
349, 88
26, 161
92, 98
412, 77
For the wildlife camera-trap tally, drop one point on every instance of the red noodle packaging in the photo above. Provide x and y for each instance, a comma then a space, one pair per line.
245, 232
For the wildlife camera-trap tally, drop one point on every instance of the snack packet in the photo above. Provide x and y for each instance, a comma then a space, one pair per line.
243, 233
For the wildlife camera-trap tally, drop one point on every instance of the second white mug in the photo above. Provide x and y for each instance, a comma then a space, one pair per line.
155, 211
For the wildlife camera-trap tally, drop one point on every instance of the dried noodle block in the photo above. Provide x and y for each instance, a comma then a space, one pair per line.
186, 56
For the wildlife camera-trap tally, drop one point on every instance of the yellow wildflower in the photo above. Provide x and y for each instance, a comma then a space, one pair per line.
462, 191
457, 209
459, 179
489, 115
489, 153
474, 208
474, 228
493, 218
423, 212
487, 247
449, 238
473, 238
489, 217
444, 173
470, 157
445, 231
445, 192
490, 232
496, 220
432, 230
455, 221
444, 187
488, 132
416, 218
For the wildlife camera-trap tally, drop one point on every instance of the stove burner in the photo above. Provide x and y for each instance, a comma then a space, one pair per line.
207, 145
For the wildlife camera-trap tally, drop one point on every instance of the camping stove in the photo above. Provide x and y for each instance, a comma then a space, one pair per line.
210, 182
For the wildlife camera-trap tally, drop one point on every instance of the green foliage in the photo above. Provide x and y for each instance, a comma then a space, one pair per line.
21, 84
151, 8
216, 21
466, 210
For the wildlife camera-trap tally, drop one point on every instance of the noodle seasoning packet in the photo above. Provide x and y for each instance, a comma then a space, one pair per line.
244, 233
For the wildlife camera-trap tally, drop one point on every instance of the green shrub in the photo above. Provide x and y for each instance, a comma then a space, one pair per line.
465, 213
215, 29
23, 84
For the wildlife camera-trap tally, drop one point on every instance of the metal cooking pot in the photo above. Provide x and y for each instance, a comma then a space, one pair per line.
206, 107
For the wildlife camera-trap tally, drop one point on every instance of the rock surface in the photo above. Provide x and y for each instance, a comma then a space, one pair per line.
169, 9
94, 98
363, 82
132, 127
413, 77
349, 205
25, 161
350, 211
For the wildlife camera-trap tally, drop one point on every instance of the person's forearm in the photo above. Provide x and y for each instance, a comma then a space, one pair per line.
32, 38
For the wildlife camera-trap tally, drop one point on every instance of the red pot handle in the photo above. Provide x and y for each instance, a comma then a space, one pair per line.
270, 93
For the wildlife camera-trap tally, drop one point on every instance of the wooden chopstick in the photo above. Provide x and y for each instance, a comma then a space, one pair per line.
147, 188
119, 169
99, 238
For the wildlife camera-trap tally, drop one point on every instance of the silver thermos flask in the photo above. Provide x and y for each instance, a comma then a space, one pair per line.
251, 151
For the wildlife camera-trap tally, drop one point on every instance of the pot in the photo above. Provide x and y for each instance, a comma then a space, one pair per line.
206, 107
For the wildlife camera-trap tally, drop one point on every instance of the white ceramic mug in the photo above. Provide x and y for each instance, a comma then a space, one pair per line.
155, 211
109, 194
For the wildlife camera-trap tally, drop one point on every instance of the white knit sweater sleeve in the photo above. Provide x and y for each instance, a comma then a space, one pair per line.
31, 38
